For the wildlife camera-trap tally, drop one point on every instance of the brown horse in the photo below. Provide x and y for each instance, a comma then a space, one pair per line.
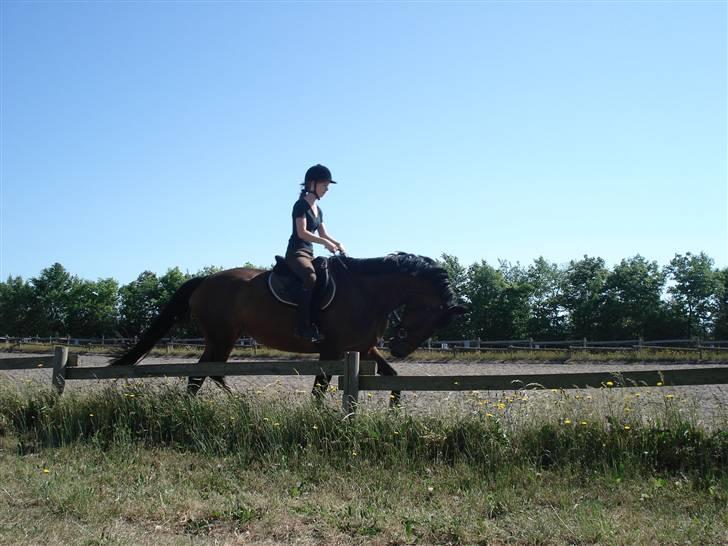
238, 302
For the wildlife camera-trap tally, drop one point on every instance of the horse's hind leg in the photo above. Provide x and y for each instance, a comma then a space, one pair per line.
212, 353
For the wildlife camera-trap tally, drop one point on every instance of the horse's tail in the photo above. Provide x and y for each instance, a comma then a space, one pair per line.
175, 309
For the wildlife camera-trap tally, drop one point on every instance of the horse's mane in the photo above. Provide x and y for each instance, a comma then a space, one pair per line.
410, 264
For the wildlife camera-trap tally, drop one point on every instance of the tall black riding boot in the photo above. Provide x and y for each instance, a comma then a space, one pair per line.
305, 328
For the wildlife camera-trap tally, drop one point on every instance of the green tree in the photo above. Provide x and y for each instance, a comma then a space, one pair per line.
514, 303
143, 299
459, 328
632, 299
52, 291
483, 289
94, 308
208, 270
140, 301
499, 301
720, 325
695, 292
582, 289
170, 282
547, 319
16, 307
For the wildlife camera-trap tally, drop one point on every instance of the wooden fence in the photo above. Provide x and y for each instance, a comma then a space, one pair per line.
356, 376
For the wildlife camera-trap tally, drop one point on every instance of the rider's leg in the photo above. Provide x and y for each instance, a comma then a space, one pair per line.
301, 265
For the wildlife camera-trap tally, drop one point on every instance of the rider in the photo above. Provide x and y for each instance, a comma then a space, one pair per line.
308, 218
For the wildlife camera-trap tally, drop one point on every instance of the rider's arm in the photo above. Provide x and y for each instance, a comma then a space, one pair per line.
307, 236
325, 234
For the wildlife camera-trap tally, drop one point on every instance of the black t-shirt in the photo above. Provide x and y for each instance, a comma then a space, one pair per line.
302, 208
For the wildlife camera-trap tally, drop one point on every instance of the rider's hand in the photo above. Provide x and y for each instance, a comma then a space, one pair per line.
331, 247
341, 248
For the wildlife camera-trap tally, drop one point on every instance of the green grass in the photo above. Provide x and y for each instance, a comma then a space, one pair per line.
130, 494
254, 428
151, 465
423, 355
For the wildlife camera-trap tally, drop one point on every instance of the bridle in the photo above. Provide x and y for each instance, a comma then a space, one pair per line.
401, 332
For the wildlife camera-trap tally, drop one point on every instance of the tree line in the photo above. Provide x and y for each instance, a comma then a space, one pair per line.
686, 298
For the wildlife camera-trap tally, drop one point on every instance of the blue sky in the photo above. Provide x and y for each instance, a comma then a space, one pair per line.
145, 135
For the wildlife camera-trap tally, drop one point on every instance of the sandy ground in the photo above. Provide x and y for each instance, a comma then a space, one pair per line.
707, 404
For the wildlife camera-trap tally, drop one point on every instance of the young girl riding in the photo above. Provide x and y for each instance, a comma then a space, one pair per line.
308, 220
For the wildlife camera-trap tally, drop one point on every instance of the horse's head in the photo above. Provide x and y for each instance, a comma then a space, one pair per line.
418, 284
418, 322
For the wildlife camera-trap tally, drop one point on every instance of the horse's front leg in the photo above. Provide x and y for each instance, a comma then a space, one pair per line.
321, 383
384, 368
320, 386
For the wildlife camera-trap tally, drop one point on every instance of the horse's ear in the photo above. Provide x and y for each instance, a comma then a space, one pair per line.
458, 310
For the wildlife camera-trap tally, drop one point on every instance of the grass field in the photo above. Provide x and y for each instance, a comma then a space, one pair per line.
150, 465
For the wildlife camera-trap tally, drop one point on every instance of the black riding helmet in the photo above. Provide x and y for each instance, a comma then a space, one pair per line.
317, 173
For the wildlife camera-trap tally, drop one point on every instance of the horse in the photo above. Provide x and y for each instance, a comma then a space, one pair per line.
236, 302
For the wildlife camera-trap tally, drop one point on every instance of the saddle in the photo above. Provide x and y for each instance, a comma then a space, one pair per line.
286, 286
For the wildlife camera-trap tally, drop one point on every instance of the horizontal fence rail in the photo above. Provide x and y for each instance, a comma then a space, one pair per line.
355, 375
26, 363
188, 369
66, 367
695, 376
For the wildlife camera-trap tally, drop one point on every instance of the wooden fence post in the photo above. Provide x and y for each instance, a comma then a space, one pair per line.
60, 359
350, 397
